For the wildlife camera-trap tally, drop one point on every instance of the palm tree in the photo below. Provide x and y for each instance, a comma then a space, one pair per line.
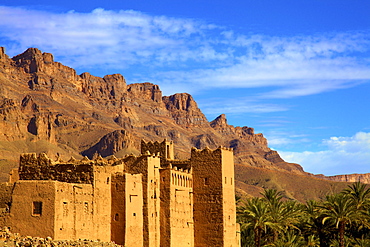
359, 194
289, 239
361, 242
284, 215
340, 210
312, 222
255, 215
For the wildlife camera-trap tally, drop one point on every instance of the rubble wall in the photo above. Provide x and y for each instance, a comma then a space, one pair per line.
32, 167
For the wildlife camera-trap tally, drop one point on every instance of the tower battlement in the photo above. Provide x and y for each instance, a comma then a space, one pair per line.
164, 148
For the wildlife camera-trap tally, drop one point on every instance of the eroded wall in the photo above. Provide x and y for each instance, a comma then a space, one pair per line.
32, 167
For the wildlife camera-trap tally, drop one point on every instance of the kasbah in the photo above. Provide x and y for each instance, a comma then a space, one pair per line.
149, 200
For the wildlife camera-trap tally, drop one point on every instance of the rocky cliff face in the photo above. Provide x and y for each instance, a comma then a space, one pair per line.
350, 178
184, 110
46, 107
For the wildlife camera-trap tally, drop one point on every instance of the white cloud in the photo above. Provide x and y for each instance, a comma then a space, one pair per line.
191, 53
343, 155
241, 106
124, 36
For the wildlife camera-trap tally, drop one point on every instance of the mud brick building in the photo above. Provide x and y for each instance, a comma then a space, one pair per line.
149, 200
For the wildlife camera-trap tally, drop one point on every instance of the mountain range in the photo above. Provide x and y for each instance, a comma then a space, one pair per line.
47, 107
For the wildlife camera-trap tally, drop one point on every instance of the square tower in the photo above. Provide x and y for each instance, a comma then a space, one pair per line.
214, 198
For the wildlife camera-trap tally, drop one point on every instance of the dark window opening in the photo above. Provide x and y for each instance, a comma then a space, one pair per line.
37, 208
86, 207
206, 182
116, 217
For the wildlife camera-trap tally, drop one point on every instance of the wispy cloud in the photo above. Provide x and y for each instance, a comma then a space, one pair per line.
109, 37
240, 106
192, 53
343, 155
283, 138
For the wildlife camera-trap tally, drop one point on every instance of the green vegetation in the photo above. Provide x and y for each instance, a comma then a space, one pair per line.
341, 219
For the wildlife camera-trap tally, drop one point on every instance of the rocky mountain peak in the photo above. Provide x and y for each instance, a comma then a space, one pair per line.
184, 110
33, 59
146, 91
219, 122
111, 87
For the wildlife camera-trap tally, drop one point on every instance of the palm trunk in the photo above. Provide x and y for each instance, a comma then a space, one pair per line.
342, 226
257, 236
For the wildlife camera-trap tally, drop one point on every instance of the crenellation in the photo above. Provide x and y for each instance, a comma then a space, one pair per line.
150, 200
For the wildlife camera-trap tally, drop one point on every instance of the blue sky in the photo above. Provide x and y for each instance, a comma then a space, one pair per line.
297, 71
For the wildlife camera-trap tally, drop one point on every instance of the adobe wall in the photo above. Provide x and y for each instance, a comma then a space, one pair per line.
133, 210
23, 219
127, 210
74, 212
229, 206
177, 226
208, 197
118, 210
5, 195
102, 202
148, 166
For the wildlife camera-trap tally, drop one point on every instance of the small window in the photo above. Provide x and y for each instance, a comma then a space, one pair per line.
86, 207
37, 208
206, 182
116, 217
107, 180
225, 180
134, 214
